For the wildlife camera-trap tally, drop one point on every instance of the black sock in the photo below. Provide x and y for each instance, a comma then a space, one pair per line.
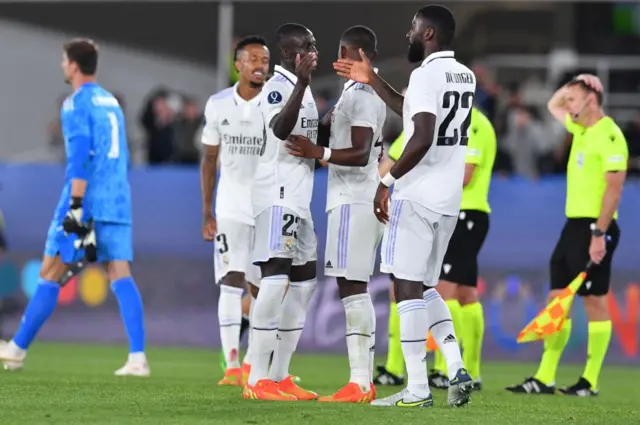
244, 326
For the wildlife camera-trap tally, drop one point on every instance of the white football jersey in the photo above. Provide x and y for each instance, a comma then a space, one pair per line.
236, 126
358, 106
282, 179
444, 87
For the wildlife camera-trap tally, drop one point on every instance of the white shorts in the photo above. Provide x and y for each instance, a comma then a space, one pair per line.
353, 235
281, 233
234, 250
415, 242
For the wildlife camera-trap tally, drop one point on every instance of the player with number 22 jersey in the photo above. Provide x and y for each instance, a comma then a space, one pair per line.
436, 112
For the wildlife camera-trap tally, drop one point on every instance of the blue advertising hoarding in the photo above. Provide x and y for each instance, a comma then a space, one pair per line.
174, 266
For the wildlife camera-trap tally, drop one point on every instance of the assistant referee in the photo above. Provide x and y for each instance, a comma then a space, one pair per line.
595, 177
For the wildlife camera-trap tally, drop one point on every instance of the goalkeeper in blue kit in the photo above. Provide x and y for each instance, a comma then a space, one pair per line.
94, 211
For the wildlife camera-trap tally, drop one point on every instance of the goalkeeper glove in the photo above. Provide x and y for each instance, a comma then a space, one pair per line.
72, 221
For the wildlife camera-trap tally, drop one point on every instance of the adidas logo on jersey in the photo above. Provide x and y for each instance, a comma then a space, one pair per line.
224, 122
449, 338
328, 265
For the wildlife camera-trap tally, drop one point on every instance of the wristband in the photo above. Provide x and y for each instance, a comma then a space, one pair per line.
326, 154
388, 180
76, 202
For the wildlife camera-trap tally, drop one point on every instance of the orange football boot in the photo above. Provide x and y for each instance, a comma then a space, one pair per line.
232, 377
350, 393
246, 370
265, 389
289, 387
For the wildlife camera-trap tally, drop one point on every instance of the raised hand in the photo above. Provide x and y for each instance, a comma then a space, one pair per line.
305, 65
360, 71
591, 81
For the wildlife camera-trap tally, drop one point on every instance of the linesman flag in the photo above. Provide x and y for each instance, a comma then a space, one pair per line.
552, 317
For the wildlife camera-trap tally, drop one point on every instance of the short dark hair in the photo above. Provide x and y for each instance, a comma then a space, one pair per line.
443, 21
248, 41
288, 31
587, 88
84, 53
361, 37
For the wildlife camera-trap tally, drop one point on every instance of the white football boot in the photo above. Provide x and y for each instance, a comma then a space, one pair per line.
12, 356
136, 365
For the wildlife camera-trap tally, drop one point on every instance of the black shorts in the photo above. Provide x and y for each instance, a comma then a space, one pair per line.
460, 264
571, 256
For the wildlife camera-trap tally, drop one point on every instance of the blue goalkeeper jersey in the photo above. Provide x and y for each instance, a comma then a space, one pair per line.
93, 127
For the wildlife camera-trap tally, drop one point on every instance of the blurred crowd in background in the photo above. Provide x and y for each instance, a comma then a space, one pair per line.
530, 143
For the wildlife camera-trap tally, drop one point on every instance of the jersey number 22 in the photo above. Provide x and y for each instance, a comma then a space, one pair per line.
458, 122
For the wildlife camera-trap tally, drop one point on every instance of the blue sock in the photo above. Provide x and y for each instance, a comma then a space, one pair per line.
131, 310
38, 311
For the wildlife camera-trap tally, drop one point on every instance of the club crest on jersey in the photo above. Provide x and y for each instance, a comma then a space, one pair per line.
274, 98
288, 245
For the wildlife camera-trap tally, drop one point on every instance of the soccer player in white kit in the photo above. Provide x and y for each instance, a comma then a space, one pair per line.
234, 130
353, 231
285, 242
436, 113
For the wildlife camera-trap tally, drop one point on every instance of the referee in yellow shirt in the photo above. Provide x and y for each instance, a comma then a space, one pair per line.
460, 267
595, 177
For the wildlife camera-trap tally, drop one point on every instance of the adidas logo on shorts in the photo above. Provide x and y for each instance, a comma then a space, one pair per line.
328, 265
449, 338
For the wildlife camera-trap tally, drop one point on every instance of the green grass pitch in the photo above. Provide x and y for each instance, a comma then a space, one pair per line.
73, 384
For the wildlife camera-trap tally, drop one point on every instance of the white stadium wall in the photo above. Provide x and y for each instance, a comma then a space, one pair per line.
31, 82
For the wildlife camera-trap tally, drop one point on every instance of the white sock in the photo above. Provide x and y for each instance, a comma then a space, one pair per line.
266, 311
294, 315
15, 350
413, 336
230, 319
358, 311
247, 356
441, 327
137, 358
372, 349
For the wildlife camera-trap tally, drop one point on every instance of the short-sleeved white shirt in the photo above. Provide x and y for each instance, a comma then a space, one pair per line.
282, 179
236, 126
358, 106
444, 87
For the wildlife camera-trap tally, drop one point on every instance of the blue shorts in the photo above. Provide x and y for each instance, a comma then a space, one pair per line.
114, 243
